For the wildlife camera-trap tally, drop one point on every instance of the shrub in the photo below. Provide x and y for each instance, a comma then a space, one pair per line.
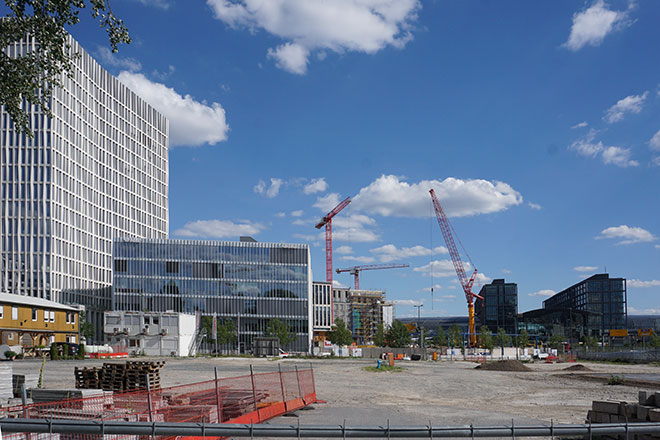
615, 380
10, 354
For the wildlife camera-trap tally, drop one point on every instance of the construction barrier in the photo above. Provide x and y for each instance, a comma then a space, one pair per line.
253, 398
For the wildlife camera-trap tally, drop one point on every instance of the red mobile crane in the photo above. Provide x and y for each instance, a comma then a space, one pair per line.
466, 283
355, 270
326, 221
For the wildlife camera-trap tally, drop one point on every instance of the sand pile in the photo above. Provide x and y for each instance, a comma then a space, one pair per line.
577, 367
504, 365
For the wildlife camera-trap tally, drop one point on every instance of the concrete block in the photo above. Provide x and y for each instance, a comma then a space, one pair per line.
605, 407
656, 399
629, 410
654, 415
599, 417
590, 416
647, 398
643, 412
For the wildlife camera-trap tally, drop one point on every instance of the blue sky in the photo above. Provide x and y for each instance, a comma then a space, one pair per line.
538, 125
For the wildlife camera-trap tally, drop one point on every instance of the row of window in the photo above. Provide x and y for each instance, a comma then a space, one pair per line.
48, 315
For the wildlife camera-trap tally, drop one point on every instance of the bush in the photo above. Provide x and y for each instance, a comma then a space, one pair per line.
615, 380
81, 351
10, 354
54, 354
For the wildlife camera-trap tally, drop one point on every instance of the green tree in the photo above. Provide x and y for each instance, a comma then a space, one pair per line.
85, 328
398, 335
522, 340
455, 337
33, 75
486, 338
555, 341
440, 337
226, 332
279, 329
654, 341
590, 341
502, 339
379, 337
340, 334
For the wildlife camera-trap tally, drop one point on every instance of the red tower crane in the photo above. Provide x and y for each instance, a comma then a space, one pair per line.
466, 283
355, 270
326, 221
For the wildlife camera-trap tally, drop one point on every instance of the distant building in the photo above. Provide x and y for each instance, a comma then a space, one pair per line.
362, 311
97, 169
246, 282
431, 324
30, 321
499, 307
151, 333
604, 300
388, 314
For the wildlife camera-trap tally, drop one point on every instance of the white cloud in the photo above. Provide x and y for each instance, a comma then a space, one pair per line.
629, 104
628, 234
389, 196
310, 238
591, 26
107, 58
297, 213
506, 271
160, 4
327, 202
428, 289
618, 156
192, 123
315, 186
280, 215
654, 143
337, 285
219, 229
320, 26
390, 252
633, 310
585, 268
358, 259
162, 76
656, 161
643, 284
544, 292
269, 191
586, 147
445, 298
291, 57
343, 250
657, 246
440, 268
407, 302
535, 206
580, 125
354, 228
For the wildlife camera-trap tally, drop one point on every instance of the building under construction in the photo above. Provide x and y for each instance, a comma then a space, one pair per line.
362, 310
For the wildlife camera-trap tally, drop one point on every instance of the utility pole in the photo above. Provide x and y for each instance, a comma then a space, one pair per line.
419, 328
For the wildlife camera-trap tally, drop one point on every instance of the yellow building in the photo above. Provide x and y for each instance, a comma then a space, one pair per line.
29, 321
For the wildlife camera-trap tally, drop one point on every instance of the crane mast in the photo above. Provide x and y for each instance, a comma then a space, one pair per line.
466, 282
355, 270
326, 221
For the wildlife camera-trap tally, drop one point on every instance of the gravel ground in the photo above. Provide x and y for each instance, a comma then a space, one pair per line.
447, 393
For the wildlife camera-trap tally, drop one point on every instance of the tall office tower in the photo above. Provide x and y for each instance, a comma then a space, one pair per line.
95, 171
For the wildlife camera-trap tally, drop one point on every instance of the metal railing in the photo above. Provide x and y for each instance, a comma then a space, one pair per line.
203, 430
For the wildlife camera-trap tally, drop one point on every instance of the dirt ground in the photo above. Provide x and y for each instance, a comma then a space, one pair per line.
445, 393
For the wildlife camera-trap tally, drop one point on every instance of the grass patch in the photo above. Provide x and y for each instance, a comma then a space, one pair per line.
383, 368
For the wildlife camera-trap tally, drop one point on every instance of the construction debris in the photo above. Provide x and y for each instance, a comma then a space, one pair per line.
577, 367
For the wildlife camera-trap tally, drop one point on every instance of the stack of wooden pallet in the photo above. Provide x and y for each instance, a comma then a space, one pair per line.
113, 377
88, 377
138, 374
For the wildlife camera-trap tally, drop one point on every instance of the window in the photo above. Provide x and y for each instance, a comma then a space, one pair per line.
2, 312
34, 314
121, 265
52, 316
10, 336
14, 313
172, 266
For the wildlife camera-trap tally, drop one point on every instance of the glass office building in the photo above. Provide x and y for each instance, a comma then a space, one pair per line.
604, 298
96, 170
246, 282
499, 307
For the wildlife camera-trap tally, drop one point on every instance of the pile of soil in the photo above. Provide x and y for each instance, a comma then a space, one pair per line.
577, 367
504, 365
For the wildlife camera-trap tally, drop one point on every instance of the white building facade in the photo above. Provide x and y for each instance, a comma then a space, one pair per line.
96, 170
